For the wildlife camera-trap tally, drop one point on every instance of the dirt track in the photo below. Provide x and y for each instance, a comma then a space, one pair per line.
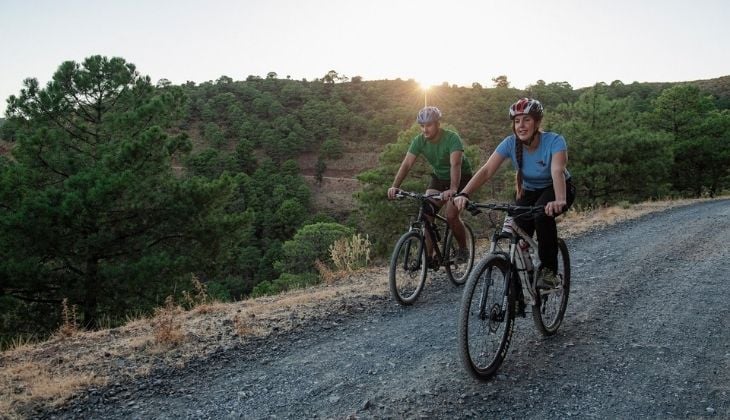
646, 335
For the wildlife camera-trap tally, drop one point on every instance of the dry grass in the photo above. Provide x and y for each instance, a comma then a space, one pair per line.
325, 273
69, 324
577, 222
167, 324
143, 345
31, 382
50, 372
200, 297
349, 254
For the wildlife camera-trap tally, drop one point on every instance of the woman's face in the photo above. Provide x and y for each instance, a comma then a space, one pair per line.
525, 127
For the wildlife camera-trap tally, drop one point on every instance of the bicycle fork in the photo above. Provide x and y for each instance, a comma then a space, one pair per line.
496, 312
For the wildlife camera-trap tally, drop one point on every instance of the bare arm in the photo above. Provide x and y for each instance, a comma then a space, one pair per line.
557, 170
455, 160
484, 174
405, 167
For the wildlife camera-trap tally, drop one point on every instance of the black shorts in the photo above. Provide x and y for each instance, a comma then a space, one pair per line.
445, 184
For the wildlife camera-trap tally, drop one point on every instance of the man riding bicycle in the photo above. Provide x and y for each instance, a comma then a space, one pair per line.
444, 151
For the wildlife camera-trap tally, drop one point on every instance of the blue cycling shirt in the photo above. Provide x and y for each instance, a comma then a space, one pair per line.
535, 165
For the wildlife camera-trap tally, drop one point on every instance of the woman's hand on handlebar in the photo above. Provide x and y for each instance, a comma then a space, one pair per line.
554, 208
460, 202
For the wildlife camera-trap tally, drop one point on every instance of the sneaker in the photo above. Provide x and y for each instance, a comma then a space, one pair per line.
547, 280
461, 256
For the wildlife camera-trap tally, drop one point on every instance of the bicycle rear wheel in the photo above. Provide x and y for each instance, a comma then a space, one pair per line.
550, 306
408, 268
458, 271
485, 323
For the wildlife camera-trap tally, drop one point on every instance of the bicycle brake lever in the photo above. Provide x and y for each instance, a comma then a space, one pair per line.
471, 208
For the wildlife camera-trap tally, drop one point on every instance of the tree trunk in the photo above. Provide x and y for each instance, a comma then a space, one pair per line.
91, 286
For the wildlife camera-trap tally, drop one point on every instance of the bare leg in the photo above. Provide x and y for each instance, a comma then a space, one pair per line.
438, 204
456, 224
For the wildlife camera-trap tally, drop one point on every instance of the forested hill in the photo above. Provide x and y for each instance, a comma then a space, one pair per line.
116, 192
346, 125
337, 126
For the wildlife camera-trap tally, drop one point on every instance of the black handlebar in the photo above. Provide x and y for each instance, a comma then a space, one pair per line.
476, 208
511, 209
417, 196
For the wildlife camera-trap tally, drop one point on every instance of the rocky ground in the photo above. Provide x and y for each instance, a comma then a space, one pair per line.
646, 335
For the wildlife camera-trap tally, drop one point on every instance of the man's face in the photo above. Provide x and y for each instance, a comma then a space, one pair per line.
430, 130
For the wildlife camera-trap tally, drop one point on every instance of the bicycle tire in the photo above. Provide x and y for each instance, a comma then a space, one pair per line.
459, 273
549, 309
484, 339
408, 268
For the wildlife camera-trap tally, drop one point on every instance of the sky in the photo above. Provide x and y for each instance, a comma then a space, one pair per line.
460, 42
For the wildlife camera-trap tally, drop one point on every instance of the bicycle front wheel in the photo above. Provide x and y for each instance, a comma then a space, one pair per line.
550, 306
408, 268
458, 267
486, 318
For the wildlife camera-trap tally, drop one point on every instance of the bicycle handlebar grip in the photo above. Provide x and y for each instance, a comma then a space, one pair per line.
471, 208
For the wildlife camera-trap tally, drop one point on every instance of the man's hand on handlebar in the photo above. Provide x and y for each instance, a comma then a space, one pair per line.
446, 195
392, 191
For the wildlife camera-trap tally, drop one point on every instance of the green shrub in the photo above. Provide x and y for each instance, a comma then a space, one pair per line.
286, 281
310, 243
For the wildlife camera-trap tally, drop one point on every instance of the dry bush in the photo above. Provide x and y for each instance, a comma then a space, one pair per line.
69, 326
167, 324
328, 276
349, 254
200, 297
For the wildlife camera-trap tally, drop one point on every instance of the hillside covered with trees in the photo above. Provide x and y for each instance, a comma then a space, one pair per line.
116, 192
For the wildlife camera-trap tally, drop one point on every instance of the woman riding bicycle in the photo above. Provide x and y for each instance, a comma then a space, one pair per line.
540, 159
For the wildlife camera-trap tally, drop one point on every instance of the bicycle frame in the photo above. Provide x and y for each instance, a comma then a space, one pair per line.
516, 259
422, 224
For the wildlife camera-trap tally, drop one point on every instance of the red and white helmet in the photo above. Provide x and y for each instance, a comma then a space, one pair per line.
528, 106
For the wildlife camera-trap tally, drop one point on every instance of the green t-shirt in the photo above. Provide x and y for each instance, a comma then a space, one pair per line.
438, 154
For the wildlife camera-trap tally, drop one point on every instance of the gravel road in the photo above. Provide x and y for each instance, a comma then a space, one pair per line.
646, 335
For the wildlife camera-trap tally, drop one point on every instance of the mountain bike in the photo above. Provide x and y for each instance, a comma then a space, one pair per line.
410, 263
501, 285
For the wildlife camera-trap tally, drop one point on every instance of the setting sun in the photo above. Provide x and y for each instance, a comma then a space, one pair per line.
425, 87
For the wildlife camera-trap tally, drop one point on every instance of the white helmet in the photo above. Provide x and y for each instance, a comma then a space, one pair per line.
428, 114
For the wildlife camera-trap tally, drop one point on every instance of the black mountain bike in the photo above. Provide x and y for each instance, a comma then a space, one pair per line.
410, 263
500, 287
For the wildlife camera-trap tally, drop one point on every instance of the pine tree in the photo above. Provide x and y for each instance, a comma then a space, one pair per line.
90, 209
